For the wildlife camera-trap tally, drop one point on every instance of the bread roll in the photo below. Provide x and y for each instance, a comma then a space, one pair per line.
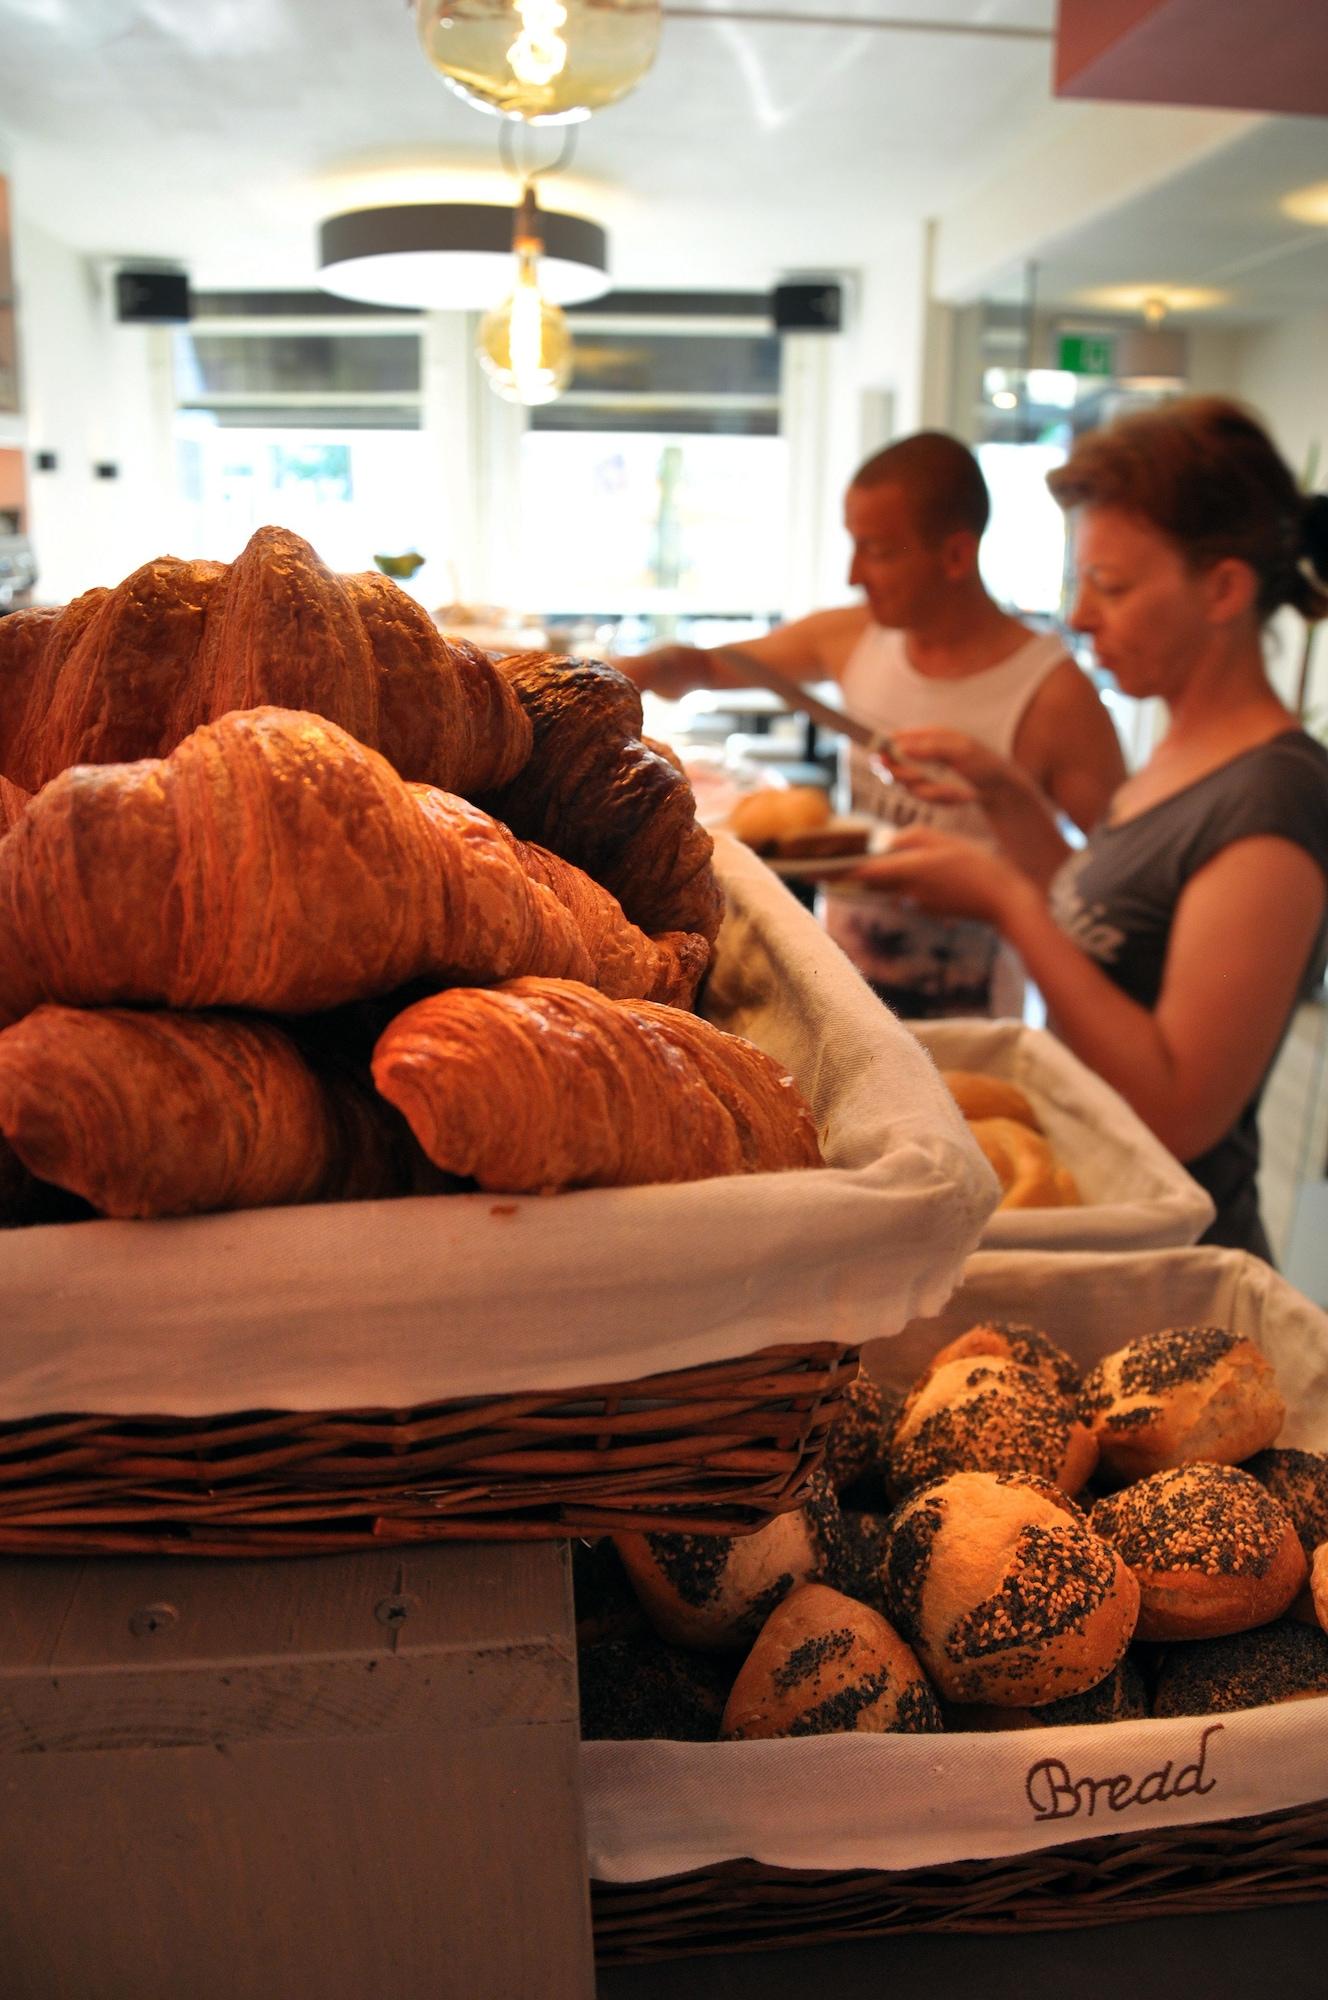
1211, 1551
716, 1591
855, 1561
1276, 1663
1299, 1479
980, 1096
634, 1687
1024, 1164
855, 1448
988, 1415
822, 1665
767, 819
1121, 1697
1188, 1393
1004, 1594
1319, 1584
1012, 1342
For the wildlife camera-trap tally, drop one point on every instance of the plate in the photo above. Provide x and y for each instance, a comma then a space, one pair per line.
816, 868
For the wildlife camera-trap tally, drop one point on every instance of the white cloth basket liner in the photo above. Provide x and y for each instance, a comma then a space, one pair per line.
1136, 1195
397, 1303
893, 1802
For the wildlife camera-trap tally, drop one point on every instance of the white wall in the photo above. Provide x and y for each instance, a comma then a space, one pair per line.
93, 392
847, 394
1282, 371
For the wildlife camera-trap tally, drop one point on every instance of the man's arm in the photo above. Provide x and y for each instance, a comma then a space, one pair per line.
1067, 743
810, 649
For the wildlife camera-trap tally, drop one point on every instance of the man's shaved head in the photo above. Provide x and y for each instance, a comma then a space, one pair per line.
942, 479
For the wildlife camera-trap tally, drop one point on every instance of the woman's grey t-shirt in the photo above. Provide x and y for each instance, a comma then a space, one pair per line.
1117, 899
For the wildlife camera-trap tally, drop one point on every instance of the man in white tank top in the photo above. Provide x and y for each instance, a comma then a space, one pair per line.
929, 654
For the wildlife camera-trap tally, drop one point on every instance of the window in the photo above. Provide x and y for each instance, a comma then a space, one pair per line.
290, 410
652, 494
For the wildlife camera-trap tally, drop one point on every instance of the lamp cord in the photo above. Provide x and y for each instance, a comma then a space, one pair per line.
516, 159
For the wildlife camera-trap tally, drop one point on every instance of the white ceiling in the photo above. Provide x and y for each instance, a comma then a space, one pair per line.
1217, 227
218, 132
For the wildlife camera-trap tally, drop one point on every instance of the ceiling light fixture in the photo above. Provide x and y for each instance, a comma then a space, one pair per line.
454, 256
524, 346
549, 62
1136, 298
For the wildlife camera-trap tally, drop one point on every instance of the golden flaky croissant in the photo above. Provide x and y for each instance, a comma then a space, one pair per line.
623, 961
543, 1084
628, 965
1028, 1171
146, 1113
594, 793
270, 862
13, 804
129, 672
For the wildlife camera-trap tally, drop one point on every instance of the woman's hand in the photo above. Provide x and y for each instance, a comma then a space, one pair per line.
946, 876
972, 771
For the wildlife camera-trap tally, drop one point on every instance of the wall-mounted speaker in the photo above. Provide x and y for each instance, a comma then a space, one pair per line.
151, 298
815, 307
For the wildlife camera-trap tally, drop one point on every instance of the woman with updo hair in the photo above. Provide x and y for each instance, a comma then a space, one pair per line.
1173, 948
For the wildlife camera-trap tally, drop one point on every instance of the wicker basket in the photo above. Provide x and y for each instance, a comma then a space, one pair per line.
713, 1449
1185, 1871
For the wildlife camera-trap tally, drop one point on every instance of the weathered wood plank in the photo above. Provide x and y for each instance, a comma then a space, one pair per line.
428, 1866
327, 1777
429, 1598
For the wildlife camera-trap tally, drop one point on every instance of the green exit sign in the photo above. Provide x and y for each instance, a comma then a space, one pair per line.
1087, 354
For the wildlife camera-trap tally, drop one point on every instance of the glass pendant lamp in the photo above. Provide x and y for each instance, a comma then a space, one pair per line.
525, 345
551, 62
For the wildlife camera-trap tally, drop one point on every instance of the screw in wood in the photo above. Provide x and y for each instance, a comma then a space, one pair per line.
396, 1609
150, 1618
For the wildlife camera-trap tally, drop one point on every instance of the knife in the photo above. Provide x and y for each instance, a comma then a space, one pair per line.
795, 695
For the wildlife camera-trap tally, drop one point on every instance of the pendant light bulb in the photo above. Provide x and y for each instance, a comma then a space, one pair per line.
525, 345
550, 62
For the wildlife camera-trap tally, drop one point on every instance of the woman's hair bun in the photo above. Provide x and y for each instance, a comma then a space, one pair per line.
1313, 564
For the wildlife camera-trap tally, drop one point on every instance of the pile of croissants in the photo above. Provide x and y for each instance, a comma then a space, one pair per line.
300, 901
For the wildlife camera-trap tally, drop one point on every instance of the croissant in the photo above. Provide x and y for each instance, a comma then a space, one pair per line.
627, 964
623, 961
129, 672
1024, 1164
13, 802
270, 862
148, 1113
543, 1084
600, 797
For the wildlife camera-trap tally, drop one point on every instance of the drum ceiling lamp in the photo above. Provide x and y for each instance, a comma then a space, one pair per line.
549, 62
454, 256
